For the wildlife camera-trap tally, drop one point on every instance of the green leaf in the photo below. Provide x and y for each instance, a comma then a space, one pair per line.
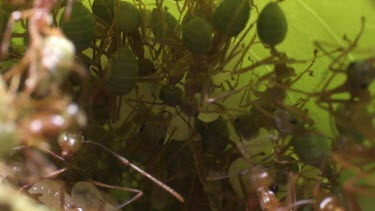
323, 21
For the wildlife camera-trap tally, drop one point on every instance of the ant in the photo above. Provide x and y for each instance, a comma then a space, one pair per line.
360, 74
71, 143
49, 52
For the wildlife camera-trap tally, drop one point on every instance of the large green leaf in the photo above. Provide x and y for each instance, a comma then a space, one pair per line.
325, 22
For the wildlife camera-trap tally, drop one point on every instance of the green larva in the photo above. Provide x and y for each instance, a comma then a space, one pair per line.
146, 67
312, 149
246, 126
159, 28
272, 25
285, 122
124, 73
231, 16
128, 17
171, 95
360, 75
215, 135
197, 35
345, 121
104, 10
80, 28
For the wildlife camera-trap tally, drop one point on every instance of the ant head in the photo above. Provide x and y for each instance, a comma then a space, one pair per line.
274, 188
70, 143
261, 177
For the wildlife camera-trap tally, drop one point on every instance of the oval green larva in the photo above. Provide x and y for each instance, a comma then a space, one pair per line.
197, 35
128, 17
345, 122
272, 25
86, 196
360, 75
312, 149
160, 28
80, 28
171, 95
215, 135
245, 126
231, 16
146, 67
104, 9
124, 73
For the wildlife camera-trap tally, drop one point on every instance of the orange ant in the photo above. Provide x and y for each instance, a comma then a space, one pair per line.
360, 74
49, 55
72, 141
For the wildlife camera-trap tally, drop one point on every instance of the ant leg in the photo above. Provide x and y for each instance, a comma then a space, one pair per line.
186, 121
339, 58
55, 173
351, 187
139, 170
299, 203
346, 164
307, 70
225, 95
266, 61
54, 155
352, 200
138, 193
68, 10
33, 75
14, 17
245, 49
243, 186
